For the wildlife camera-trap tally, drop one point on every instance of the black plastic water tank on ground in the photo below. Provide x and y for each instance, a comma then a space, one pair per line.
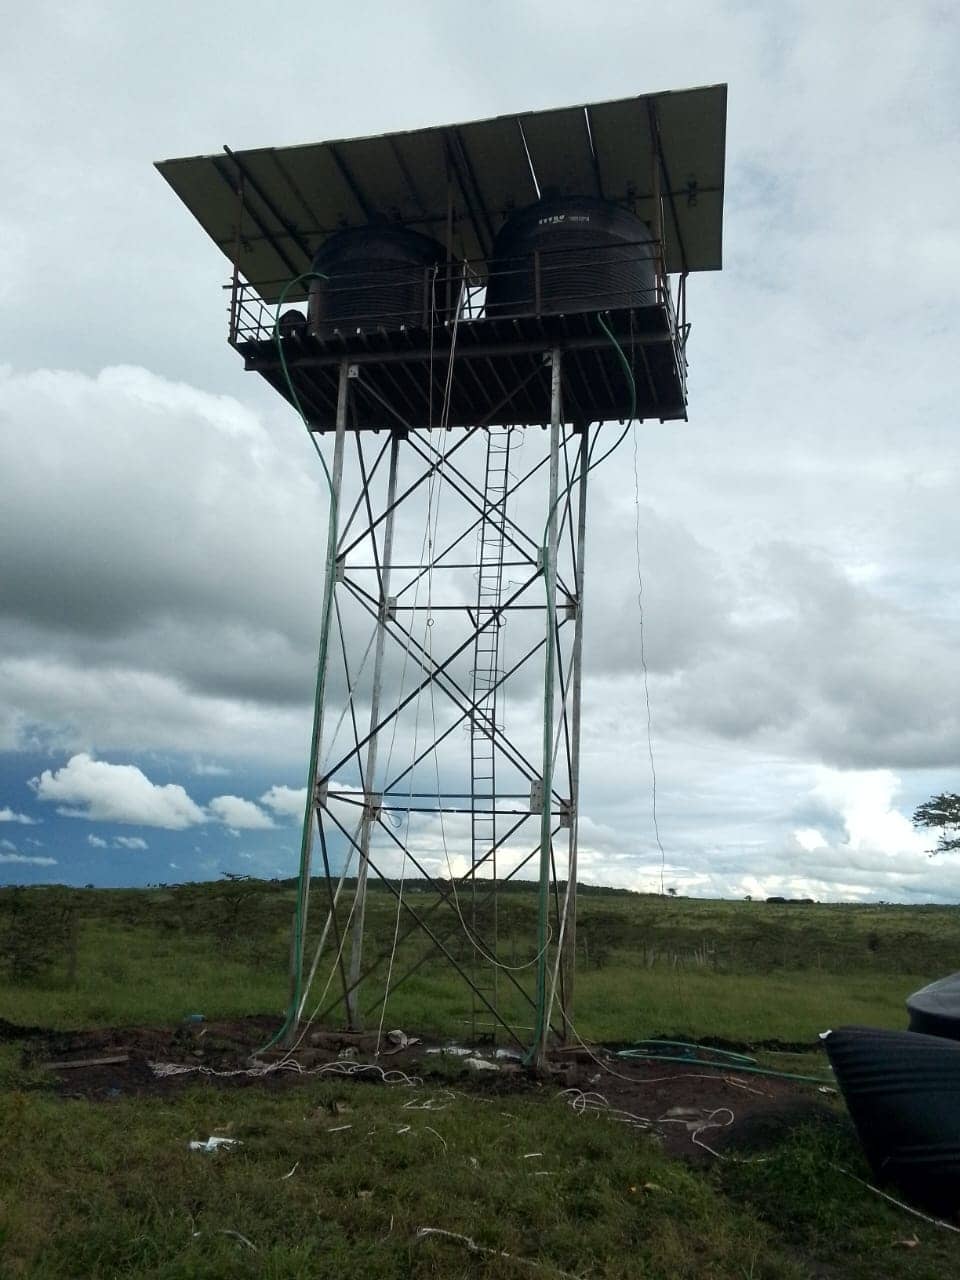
377, 277
571, 254
903, 1094
935, 1009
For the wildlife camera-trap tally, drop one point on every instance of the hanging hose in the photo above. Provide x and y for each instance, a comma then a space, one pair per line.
326, 616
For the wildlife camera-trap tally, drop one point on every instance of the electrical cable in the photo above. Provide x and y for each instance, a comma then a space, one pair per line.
544, 1008
305, 989
471, 938
333, 968
348, 862
936, 1222
434, 482
296, 1001
643, 659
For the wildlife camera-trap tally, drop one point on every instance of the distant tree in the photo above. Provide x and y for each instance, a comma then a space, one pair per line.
672, 891
941, 813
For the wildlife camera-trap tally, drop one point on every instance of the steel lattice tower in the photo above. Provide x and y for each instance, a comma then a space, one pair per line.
455, 579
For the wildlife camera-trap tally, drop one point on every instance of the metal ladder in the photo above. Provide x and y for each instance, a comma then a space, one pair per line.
484, 722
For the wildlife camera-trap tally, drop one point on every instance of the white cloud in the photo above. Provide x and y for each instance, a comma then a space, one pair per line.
96, 842
28, 858
762, 664
242, 815
130, 842
98, 791
809, 838
286, 802
865, 800
8, 815
202, 770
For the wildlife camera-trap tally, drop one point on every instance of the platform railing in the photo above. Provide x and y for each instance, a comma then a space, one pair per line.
548, 282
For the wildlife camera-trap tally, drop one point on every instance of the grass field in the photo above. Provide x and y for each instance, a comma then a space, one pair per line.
110, 1189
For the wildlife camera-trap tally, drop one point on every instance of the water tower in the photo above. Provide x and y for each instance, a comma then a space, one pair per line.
467, 318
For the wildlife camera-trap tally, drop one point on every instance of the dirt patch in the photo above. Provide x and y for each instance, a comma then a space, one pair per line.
694, 1109
12, 1031
689, 1107
740, 1046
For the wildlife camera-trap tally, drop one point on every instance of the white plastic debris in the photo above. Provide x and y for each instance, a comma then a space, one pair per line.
480, 1064
214, 1144
399, 1040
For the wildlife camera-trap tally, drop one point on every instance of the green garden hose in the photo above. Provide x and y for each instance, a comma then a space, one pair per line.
712, 1065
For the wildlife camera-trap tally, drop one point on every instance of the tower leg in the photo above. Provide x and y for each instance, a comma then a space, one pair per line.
310, 807
546, 813
371, 802
569, 956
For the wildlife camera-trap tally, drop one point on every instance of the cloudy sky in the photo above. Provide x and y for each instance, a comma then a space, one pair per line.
161, 510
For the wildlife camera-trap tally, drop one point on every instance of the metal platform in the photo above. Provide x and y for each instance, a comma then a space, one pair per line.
499, 374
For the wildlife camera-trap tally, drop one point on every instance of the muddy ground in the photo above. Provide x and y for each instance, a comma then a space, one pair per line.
690, 1107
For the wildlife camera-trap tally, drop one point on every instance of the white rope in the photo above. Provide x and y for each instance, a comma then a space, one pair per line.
581, 1103
349, 702
352, 847
935, 1222
643, 658
340, 1067
327, 923
333, 968
424, 1233
712, 1123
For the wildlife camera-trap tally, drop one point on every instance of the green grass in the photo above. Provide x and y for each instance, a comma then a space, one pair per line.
130, 975
125, 1197
110, 1189
735, 970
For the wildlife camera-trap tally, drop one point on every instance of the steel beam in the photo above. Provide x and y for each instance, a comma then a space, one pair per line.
569, 939
323, 661
370, 800
550, 585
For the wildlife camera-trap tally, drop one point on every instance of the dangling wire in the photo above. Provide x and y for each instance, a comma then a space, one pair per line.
434, 487
643, 657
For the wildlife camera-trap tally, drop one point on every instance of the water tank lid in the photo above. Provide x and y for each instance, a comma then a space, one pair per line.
942, 996
379, 240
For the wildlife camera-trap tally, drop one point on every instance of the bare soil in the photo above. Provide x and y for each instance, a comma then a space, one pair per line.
743, 1111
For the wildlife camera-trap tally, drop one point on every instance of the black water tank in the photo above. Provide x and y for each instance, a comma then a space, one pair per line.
903, 1094
569, 254
378, 277
935, 1009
